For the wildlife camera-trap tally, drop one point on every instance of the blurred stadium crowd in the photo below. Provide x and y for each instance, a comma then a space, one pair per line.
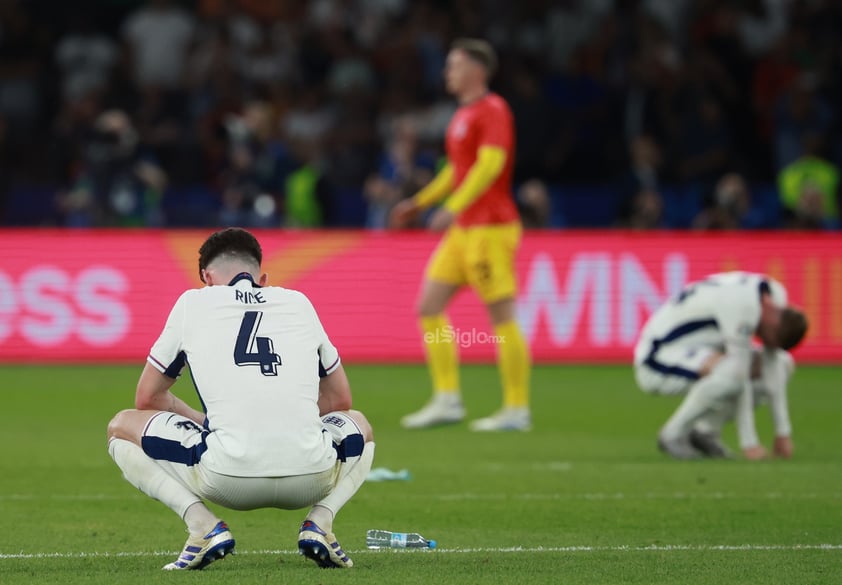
707, 114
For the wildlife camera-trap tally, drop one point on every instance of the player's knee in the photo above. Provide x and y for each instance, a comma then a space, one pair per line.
362, 422
117, 425
434, 299
647, 382
427, 308
728, 375
710, 363
502, 310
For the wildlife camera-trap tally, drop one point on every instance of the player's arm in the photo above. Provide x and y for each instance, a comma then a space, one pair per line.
334, 392
153, 393
407, 210
436, 190
783, 428
489, 164
746, 428
739, 351
163, 366
334, 389
779, 409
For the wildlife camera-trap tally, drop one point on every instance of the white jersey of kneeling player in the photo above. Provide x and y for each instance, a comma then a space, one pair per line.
717, 314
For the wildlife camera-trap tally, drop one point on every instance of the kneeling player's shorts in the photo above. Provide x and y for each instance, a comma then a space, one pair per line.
482, 257
247, 493
670, 369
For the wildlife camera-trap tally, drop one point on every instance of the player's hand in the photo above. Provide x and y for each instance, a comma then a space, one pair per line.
783, 447
441, 220
755, 453
403, 213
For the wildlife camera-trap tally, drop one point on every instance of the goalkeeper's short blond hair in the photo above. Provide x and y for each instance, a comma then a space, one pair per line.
478, 50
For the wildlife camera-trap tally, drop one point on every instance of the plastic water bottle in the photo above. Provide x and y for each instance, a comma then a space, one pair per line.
385, 474
376, 539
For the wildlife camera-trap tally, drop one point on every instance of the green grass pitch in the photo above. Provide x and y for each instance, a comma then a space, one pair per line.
583, 498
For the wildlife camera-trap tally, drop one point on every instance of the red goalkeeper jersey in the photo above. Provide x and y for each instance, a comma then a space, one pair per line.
487, 121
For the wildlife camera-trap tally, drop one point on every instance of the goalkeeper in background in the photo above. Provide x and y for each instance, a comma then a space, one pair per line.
482, 231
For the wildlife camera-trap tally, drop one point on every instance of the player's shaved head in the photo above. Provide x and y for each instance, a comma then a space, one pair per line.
479, 51
231, 245
792, 328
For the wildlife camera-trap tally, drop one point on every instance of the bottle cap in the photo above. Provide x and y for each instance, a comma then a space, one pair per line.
432, 543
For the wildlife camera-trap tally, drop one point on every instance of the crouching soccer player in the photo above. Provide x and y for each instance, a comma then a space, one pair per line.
277, 429
700, 344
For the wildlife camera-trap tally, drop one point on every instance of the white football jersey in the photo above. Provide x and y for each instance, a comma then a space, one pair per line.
722, 312
256, 355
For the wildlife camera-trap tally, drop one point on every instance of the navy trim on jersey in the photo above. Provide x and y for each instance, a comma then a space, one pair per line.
678, 332
243, 276
169, 450
206, 422
351, 446
323, 372
161, 366
174, 369
671, 370
764, 288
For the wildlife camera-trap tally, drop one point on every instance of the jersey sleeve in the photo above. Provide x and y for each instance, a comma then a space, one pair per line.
167, 355
327, 352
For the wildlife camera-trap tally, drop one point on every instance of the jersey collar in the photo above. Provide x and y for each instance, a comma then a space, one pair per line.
479, 98
243, 276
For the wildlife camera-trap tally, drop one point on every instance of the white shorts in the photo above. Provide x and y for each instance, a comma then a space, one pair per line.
670, 369
177, 443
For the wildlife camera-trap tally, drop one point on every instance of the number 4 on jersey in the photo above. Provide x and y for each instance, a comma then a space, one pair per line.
251, 350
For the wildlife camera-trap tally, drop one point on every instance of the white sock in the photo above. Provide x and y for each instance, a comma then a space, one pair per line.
199, 519
351, 477
141, 471
323, 517
448, 398
706, 396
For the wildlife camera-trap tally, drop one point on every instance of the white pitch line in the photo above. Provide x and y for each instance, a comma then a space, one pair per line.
514, 549
652, 548
640, 496
68, 497
713, 495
